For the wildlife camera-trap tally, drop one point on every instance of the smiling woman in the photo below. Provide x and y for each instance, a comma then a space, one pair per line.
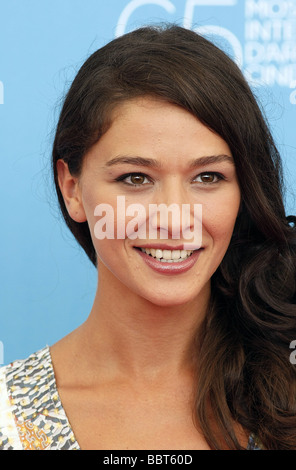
187, 343
175, 140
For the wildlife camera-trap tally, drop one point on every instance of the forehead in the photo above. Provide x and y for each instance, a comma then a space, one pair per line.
156, 129
148, 113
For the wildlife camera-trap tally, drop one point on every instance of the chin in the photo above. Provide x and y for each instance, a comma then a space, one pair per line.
169, 301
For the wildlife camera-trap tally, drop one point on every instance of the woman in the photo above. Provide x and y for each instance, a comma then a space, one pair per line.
187, 342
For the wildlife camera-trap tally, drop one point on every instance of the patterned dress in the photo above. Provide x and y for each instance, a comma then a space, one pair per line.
31, 413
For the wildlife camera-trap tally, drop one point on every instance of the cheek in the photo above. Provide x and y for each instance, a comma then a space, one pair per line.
219, 220
108, 225
100, 211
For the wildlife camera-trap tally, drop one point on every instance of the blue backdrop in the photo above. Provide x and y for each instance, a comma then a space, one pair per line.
47, 284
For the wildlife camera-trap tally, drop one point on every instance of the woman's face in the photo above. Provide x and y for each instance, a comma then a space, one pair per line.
157, 153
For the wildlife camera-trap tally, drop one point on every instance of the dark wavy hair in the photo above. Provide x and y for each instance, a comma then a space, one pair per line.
242, 351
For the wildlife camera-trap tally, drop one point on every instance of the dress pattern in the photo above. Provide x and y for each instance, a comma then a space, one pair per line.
31, 413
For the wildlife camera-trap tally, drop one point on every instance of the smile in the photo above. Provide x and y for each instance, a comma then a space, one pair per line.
167, 256
169, 262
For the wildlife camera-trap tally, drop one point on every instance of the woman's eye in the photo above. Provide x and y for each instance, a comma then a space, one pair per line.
134, 179
140, 179
208, 178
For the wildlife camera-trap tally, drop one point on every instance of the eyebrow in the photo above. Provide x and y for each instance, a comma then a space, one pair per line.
208, 160
139, 161
152, 163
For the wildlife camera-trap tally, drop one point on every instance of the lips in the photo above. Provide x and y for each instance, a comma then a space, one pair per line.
168, 261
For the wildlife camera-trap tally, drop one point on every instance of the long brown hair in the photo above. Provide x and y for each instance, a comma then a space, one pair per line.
244, 372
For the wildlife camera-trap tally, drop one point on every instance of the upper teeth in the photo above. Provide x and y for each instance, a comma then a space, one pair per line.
168, 255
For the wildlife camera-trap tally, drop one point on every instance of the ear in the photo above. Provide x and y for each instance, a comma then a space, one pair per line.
71, 192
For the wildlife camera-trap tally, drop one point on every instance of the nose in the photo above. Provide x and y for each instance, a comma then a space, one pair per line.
174, 216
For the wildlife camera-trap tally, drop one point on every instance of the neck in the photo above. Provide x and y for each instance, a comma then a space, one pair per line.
129, 335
